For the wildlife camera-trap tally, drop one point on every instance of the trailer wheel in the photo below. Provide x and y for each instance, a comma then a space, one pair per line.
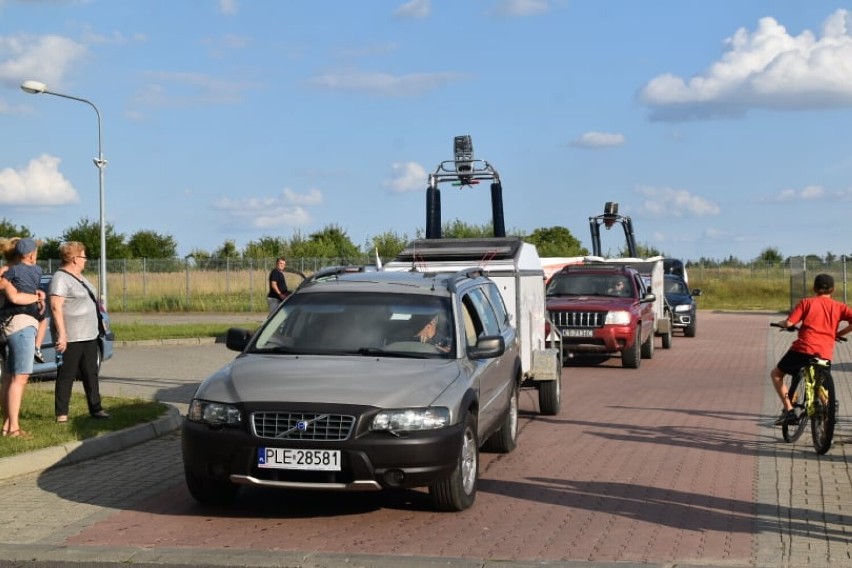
550, 393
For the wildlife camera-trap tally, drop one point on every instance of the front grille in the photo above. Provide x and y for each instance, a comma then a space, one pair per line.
302, 426
578, 319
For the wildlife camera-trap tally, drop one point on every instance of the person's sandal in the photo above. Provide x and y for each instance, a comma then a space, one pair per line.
19, 434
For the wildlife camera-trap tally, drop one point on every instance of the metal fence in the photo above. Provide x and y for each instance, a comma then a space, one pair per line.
234, 284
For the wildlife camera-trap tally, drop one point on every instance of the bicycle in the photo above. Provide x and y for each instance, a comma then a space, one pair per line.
813, 397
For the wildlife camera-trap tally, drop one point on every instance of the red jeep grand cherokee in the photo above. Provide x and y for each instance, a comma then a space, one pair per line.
602, 309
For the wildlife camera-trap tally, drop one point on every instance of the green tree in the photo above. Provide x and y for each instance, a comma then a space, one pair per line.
330, 242
770, 255
89, 233
458, 229
556, 241
266, 247
388, 244
149, 244
9, 229
227, 250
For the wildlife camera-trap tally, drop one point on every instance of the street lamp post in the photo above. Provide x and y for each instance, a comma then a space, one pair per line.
37, 88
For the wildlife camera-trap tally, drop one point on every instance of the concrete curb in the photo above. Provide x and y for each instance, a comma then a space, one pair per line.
73, 452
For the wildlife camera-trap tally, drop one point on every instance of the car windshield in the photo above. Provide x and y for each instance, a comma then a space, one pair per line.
588, 285
335, 323
676, 287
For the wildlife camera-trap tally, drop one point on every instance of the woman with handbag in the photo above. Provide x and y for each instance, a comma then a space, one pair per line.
76, 326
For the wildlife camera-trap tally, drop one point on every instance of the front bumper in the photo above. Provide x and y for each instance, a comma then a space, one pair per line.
369, 461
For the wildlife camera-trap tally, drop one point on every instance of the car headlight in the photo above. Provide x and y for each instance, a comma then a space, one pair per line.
618, 318
411, 419
214, 413
683, 308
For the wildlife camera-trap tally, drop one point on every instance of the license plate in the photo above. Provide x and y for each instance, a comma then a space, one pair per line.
578, 332
314, 460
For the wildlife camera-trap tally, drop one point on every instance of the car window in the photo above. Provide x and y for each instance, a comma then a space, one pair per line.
496, 300
484, 310
675, 287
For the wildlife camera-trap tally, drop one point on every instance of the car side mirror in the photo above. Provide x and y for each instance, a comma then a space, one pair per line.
237, 339
487, 347
696, 292
649, 297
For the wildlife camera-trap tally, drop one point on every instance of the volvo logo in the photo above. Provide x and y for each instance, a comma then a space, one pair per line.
302, 425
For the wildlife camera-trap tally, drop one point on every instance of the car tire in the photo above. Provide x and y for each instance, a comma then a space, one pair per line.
689, 331
209, 491
458, 492
648, 347
631, 356
505, 439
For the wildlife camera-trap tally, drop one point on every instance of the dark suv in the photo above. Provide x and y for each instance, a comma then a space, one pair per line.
602, 309
367, 381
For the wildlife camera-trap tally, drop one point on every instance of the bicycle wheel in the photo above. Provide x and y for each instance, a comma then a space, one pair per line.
825, 408
793, 432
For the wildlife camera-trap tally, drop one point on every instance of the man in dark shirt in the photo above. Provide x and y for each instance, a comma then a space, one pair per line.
277, 285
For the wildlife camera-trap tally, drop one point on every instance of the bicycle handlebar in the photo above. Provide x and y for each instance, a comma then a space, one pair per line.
796, 328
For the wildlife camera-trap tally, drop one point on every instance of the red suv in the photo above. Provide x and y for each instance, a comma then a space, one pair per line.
602, 309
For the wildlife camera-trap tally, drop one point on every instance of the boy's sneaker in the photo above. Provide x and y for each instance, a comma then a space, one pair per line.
38, 356
787, 417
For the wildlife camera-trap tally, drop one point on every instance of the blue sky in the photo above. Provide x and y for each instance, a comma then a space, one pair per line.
721, 128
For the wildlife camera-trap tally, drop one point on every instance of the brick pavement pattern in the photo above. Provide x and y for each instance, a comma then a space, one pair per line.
676, 462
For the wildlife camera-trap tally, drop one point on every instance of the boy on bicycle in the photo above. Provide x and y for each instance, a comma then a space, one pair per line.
819, 317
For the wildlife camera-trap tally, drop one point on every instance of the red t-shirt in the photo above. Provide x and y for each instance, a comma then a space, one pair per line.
819, 317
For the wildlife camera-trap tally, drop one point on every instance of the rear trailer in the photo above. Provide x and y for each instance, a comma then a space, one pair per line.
514, 265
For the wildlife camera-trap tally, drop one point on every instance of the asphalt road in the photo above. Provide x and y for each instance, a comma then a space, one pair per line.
675, 463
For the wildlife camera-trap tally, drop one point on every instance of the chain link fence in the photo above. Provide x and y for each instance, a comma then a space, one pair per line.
235, 285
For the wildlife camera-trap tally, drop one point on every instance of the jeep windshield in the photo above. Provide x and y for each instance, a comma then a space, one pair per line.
363, 323
589, 285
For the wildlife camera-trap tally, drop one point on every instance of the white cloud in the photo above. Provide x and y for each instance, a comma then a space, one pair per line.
407, 177
39, 184
598, 140
228, 7
514, 8
766, 68
668, 202
46, 58
286, 210
384, 84
807, 193
182, 89
414, 9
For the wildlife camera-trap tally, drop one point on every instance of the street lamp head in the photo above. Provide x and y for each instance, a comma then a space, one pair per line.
33, 87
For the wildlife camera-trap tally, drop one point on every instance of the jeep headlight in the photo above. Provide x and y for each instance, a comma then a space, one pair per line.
618, 318
682, 308
411, 419
214, 413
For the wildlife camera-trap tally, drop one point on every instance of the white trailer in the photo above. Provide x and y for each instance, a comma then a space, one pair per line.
516, 268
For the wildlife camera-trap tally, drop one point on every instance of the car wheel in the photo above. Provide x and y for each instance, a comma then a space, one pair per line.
505, 439
631, 356
648, 347
667, 339
209, 491
689, 331
458, 492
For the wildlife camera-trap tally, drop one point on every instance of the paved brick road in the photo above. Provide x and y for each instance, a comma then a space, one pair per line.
676, 462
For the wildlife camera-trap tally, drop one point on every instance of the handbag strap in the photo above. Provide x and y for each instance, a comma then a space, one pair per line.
91, 295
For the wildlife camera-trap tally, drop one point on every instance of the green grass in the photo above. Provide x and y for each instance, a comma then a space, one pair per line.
38, 419
144, 331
